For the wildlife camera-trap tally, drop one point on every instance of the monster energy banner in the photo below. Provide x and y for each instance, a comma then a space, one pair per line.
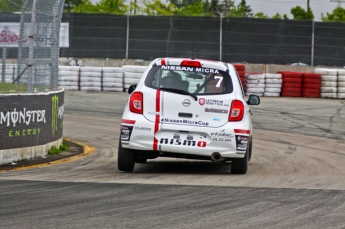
29, 120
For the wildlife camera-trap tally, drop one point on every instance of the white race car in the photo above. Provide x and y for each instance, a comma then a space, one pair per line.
187, 108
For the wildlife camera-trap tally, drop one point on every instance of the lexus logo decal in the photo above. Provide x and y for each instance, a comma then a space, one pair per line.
186, 102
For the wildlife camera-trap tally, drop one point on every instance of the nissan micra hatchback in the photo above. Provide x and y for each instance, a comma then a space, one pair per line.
187, 108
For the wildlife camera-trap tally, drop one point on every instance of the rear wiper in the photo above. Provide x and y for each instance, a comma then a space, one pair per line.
179, 91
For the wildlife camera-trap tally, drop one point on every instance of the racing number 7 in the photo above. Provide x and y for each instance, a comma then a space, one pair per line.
220, 79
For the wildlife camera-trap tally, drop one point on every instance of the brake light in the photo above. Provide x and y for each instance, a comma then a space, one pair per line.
163, 62
136, 102
236, 111
191, 63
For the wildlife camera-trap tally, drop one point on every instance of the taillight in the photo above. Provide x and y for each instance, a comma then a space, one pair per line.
236, 111
136, 102
191, 63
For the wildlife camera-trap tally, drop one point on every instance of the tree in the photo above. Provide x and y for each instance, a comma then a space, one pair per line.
260, 15
11, 6
338, 15
70, 4
156, 8
197, 9
241, 10
299, 13
277, 16
104, 6
214, 8
86, 7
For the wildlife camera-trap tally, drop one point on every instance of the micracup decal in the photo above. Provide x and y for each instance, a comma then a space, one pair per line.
184, 121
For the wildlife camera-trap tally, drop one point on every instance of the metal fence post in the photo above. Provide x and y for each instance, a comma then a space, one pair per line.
4, 55
312, 43
31, 39
127, 36
221, 37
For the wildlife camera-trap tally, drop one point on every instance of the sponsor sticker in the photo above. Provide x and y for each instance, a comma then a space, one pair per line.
214, 102
219, 111
202, 101
167, 141
126, 132
241, 142
221, 134
142, 128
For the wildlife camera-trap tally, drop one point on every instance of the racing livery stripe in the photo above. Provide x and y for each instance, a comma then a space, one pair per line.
239, 131
157, 120
127, 121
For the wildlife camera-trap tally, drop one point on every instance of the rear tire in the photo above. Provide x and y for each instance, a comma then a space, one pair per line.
250, 149
240, 165
125, 159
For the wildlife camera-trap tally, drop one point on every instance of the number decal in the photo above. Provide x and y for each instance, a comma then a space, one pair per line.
220, 79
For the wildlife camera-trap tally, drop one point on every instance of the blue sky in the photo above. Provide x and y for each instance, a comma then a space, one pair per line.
271, 7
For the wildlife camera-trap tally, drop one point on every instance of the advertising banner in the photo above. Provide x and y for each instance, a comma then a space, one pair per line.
9, 35
30, 120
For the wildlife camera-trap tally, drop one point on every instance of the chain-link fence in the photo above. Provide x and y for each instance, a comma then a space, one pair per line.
265, 41
29, 44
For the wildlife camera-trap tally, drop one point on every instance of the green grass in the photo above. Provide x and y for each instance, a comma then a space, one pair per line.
54, 150
6, 88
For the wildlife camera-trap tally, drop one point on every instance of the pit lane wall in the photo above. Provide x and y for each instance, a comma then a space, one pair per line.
30, 124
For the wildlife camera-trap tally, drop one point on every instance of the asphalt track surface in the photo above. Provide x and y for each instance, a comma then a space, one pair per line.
296, 178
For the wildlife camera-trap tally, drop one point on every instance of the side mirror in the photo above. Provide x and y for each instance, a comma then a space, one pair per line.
253, 100
131, 89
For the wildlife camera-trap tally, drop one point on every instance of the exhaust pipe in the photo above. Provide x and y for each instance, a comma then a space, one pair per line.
217, 157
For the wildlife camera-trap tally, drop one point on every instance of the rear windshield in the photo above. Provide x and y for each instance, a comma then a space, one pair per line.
198, 81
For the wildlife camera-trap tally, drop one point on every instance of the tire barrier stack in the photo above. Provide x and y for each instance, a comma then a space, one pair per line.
90, 78
324, 82
112, 79
241, 68
69, 77
311, 85
132, 74
273, 84
255, 84
328, 82
341, 84
10, 73
292, 84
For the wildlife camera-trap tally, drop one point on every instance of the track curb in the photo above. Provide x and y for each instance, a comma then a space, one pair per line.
87, 151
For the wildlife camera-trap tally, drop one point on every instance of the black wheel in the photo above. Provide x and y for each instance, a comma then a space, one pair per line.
240, 165
250, 149
125, 159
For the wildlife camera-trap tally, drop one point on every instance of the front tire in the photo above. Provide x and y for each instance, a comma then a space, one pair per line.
240, 165
125, 159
